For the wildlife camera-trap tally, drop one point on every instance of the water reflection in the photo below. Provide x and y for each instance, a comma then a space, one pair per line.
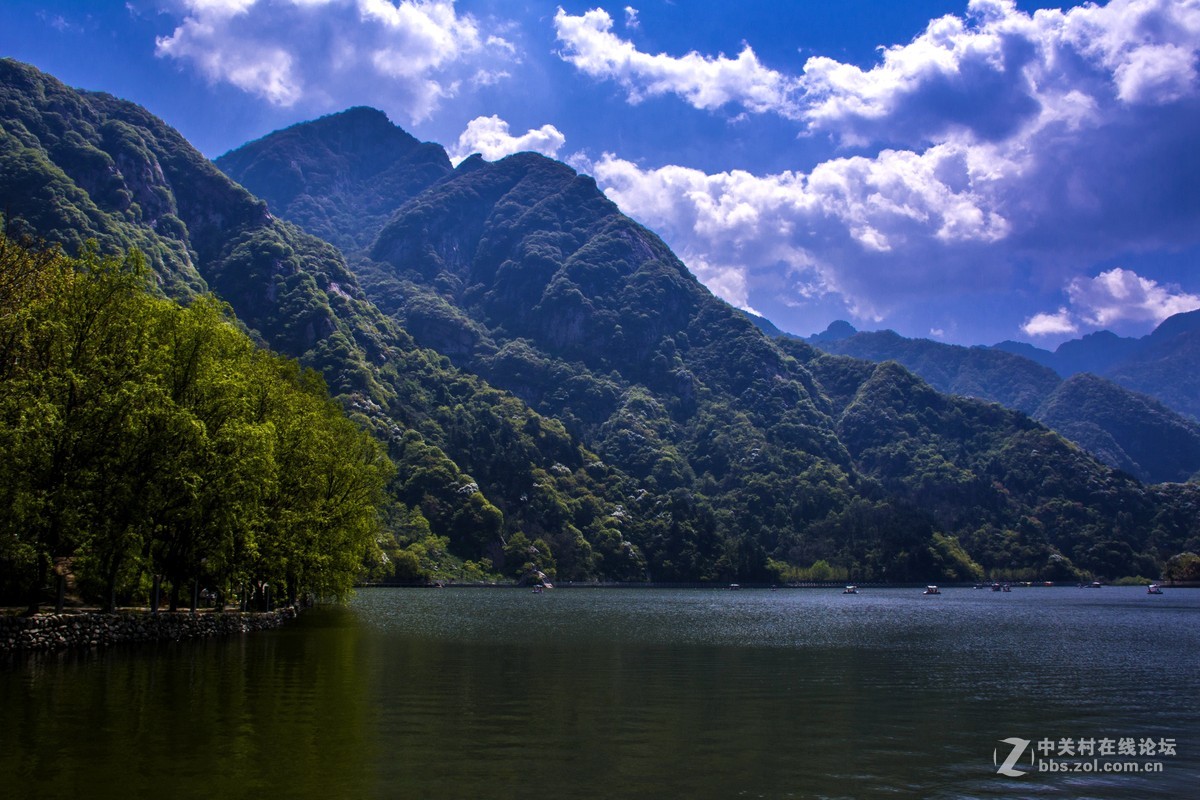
614, 693
236, 717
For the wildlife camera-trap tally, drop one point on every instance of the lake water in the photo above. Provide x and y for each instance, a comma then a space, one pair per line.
591, 693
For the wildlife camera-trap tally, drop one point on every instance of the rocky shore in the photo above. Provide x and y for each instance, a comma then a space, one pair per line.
60, 631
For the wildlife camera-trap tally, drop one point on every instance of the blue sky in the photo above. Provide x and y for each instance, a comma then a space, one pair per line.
967, 171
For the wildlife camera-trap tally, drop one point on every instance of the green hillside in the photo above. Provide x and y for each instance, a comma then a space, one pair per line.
1122, 428
559, 394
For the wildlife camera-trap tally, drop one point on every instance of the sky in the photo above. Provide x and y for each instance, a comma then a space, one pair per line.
968, 171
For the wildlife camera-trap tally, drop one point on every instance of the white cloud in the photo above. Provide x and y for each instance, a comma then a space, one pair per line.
1120, 294
1057, 324
412, 53
253, 67
986, 74
703, 81
631, 18
995, 139
999, 71
1112, 297
489, 137
865, 229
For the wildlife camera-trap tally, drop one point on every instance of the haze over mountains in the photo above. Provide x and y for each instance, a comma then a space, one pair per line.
553, 382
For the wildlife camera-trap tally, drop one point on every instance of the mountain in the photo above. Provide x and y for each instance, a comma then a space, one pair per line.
556, 389
339, 177
1166, 364
993, 375
1124, 429
475, 465
1163, 364
524, 273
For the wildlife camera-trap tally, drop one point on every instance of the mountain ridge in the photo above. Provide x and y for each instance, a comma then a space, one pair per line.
663, 435
295, 293
523, 272
1127, 430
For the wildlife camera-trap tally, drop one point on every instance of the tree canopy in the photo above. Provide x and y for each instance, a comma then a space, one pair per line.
144, 438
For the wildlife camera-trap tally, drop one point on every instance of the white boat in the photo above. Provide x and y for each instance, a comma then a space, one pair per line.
1154, 588
850, 590
931, 589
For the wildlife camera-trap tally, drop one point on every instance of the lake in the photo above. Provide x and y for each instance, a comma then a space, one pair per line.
639, 693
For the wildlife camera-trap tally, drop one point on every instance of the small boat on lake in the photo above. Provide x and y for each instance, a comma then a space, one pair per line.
931, 589
1154, 588
850, 590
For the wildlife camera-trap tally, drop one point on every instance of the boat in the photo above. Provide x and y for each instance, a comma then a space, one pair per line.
1154, 588
1095, 585
931, 589
734, 586
995, 587
850, 590
1006, 588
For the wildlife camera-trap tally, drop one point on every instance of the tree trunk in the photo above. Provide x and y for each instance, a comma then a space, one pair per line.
35, 586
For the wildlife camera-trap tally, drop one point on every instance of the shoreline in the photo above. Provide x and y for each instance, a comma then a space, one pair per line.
92, 629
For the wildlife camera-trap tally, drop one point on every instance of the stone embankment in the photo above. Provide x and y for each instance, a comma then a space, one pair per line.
59, 631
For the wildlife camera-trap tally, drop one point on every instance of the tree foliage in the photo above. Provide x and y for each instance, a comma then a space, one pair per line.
140, 437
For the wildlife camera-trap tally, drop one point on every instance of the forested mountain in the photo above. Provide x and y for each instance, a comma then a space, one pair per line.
1124, 429
638, 427
1001, 377
1164, 364
339, 177
474, 465
523, 272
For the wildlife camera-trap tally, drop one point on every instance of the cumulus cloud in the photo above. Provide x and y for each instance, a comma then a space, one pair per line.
998, 71
631, 17
415, 52
997, 143
987, 73
1120, 294
489, 137
864, 228
1057, 324
706, 82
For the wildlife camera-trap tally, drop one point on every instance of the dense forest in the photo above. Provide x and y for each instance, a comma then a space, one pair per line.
144, 441
555, 391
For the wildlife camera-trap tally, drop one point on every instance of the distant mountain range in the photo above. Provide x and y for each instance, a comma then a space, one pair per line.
1165, 364
1129, 430
547, 372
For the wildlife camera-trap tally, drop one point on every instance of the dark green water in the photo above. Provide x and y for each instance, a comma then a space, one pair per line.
624, 693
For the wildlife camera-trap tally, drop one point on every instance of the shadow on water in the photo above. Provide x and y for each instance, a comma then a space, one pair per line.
281, 710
